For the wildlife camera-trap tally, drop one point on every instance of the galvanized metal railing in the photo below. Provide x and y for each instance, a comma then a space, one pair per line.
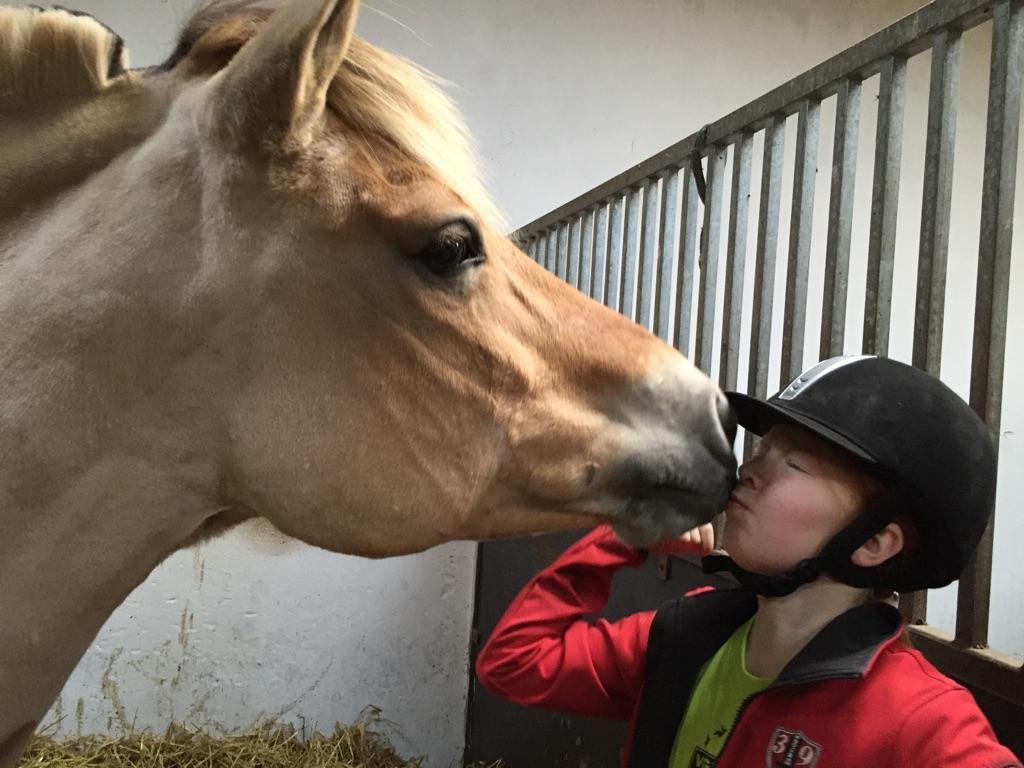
632, 243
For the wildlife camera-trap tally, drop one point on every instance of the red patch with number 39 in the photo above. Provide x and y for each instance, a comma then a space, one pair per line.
792, 749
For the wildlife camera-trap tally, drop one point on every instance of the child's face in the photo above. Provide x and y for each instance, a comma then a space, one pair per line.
794, 494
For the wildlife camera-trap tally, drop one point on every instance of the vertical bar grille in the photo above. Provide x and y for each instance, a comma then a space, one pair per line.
993, 288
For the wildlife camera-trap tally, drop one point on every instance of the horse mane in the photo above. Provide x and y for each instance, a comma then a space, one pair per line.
55, 55
377, 95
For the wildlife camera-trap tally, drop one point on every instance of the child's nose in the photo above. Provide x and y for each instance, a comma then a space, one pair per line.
746, 472
751, 472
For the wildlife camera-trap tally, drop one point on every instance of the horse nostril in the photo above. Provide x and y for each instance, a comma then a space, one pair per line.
727, 416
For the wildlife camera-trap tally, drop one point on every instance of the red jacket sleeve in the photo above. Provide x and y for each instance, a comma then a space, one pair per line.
544, 653
950, 731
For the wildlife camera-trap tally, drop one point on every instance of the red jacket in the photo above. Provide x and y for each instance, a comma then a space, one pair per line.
856, 696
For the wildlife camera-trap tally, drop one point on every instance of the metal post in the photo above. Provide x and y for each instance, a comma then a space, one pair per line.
587, 253
794, 319
635, 216
668, 247
563, 250
602, 241
884, 206
683, 321
840, 218
652, 235
575, 236
764, 261
735, 262
616, 252
935, 206
709, 253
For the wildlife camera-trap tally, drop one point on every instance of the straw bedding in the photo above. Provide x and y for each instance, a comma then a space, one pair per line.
357, 746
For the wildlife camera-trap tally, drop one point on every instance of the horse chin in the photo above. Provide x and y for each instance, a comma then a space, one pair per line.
667, 515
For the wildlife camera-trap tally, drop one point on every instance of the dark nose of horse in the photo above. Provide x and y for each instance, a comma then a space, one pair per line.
728, 418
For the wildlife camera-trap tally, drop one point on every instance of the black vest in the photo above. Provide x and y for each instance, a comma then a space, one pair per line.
687, 632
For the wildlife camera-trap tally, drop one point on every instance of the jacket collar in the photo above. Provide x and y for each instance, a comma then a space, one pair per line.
847, 646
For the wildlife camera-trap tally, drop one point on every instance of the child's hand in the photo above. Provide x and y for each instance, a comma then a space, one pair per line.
698, 541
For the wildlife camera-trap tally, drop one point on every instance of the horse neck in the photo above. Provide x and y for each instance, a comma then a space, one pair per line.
108, 457
68, 562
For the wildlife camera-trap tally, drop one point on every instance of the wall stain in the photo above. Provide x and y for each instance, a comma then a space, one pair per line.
183, 627
112, 693
197, 711
184, 635
304, 694
199, 563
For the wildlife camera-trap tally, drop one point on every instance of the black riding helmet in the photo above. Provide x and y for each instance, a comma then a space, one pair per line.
932, 454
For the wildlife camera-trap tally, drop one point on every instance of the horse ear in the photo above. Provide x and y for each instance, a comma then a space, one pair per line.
275, 89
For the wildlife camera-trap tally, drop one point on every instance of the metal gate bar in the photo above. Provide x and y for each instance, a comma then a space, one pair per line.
685, 287
764, 261
709, 258
840, 219
735, 262
884, 202
668, 246
801, 215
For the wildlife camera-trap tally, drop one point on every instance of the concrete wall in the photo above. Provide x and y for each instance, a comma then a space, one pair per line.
248, 628
560, 95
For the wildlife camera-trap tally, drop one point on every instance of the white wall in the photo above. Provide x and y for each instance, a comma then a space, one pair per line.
561, 95
243, 629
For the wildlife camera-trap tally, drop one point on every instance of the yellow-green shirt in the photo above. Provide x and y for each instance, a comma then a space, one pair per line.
722, 685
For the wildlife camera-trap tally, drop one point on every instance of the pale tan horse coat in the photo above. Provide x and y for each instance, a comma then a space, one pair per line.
264, 280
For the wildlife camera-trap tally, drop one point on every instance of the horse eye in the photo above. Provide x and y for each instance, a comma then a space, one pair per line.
453, 249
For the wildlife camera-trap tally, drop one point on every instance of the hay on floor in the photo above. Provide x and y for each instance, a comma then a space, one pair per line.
351, 747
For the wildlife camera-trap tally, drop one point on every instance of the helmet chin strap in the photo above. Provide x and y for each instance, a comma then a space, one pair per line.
834, 558
767, 586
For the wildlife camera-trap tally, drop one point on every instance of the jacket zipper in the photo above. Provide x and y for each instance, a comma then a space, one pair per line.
735, 722
798, 681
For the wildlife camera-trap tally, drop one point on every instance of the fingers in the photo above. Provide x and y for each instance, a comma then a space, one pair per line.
697, 541
706, 537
